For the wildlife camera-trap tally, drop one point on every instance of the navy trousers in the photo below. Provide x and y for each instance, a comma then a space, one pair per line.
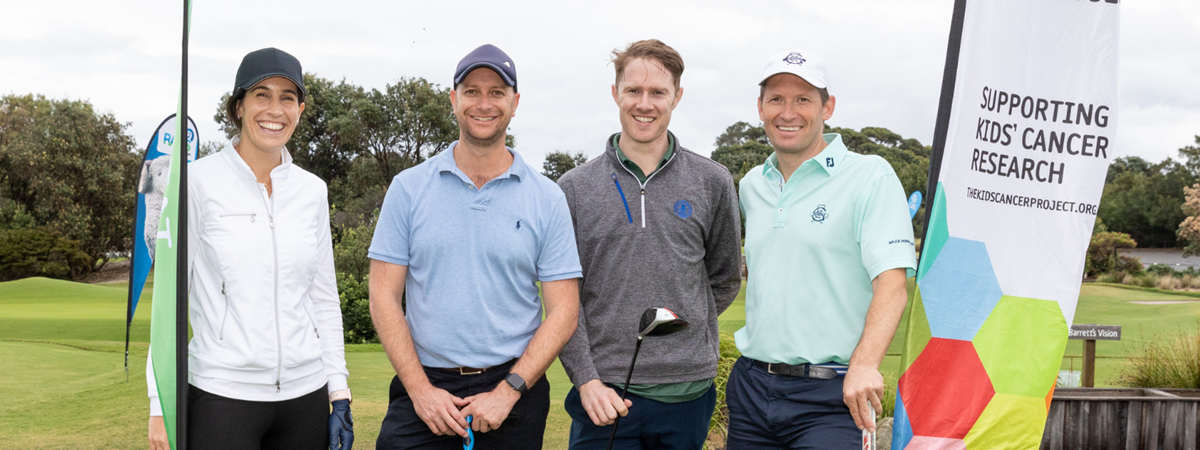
782, 412
402, 428
650, 424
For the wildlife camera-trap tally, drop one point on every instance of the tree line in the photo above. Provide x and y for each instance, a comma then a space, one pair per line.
68, 175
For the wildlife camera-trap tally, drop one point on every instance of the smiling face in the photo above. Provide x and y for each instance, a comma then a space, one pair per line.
646, 94
484, 105
269, 113
793, 115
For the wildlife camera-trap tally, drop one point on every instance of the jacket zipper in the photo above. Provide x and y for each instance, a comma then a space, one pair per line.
310, 319
642, 184
224, 318
275, 294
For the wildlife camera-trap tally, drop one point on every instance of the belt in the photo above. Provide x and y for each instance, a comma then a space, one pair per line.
462, 370
801, 370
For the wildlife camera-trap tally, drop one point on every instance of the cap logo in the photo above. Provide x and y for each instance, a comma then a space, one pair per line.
794, 58
506, 64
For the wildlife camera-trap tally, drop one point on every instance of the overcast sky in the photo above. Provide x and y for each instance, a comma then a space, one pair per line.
885, 58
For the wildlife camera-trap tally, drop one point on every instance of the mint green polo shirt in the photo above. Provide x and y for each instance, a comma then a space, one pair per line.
813, 245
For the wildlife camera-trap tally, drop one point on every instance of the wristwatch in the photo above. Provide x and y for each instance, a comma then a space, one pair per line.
341, 394
517, 382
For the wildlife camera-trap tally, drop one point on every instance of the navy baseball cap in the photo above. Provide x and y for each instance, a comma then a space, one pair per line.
489, 56
261, 64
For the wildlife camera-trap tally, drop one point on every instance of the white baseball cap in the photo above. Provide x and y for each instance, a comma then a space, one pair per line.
807, 65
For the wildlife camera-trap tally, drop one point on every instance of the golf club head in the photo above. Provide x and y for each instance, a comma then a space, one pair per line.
660, 322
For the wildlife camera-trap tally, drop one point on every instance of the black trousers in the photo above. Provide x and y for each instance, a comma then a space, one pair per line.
222, 423
403, 429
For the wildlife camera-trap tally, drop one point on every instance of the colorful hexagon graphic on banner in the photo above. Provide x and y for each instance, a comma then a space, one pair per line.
949, 389
917, 334
901, 427
1021, 345
959, 290
1009, 421
938, 232
932, 443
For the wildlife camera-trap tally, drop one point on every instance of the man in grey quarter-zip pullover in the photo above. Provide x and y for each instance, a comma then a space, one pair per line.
657, 226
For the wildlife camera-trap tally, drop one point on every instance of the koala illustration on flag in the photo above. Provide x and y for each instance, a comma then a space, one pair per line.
153, 183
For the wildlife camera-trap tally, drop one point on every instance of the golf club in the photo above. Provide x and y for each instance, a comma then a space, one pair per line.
655, 322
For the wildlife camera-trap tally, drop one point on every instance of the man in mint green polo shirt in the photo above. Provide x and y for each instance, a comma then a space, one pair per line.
828, 247
657, 226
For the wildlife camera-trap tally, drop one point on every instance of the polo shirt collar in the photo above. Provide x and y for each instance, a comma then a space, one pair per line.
829, 159
444, 162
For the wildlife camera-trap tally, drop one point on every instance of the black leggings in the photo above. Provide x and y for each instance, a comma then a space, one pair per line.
222, 423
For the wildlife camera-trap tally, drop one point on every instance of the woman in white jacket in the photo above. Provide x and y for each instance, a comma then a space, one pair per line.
266, 358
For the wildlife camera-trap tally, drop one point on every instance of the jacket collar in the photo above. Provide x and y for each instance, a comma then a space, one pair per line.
829, 159
242, 169
610, 150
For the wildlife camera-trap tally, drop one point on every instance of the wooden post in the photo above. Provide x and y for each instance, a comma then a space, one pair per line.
1090, 333
1089, 363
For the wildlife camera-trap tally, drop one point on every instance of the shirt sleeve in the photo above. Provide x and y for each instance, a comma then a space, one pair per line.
390, 242
152, 387
723, 249
558, 257
885, 233
323, 295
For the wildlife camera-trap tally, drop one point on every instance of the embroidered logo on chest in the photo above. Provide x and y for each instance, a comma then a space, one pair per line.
683, 209
819, 215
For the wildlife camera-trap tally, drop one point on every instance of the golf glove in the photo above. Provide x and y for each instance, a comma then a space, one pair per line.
341, 426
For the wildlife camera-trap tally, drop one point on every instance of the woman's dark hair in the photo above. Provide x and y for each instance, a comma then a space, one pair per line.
231, 104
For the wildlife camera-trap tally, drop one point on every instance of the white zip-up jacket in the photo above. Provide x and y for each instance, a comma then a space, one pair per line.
264, 308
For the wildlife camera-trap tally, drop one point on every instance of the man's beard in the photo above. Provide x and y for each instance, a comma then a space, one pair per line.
498, 136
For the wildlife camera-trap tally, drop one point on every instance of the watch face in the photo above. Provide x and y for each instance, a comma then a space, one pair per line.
516, 381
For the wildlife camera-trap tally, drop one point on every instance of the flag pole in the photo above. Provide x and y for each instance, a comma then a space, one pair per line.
181, 264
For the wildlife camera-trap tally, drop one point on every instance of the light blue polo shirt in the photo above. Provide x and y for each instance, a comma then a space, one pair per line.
813, 245
473, 256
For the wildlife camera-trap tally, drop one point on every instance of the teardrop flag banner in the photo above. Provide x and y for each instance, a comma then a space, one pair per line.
1023, 140
167, 367
151, 188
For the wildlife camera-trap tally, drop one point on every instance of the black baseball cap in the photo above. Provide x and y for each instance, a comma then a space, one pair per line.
489, 56
269, 62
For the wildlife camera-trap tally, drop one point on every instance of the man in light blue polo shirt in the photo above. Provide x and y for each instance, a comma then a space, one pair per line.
828, 247
466, 235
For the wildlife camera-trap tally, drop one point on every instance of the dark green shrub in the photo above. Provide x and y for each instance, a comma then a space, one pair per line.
718, 428
357, 327
1108, 278
39, 252
1160, 270
1130, 265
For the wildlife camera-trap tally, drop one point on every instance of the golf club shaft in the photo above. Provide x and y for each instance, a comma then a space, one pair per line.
625, 391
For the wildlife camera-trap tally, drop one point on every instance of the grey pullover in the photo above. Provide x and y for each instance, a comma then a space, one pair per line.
674, 242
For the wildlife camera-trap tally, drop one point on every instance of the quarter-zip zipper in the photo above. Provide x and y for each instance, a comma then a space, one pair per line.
275, 294
642, 184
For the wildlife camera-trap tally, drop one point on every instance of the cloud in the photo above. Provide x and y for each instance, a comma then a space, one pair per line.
885, 58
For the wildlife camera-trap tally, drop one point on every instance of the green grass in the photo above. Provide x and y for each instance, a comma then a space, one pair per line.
64, 386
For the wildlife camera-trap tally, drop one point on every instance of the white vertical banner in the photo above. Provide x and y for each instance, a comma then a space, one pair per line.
1024, 139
